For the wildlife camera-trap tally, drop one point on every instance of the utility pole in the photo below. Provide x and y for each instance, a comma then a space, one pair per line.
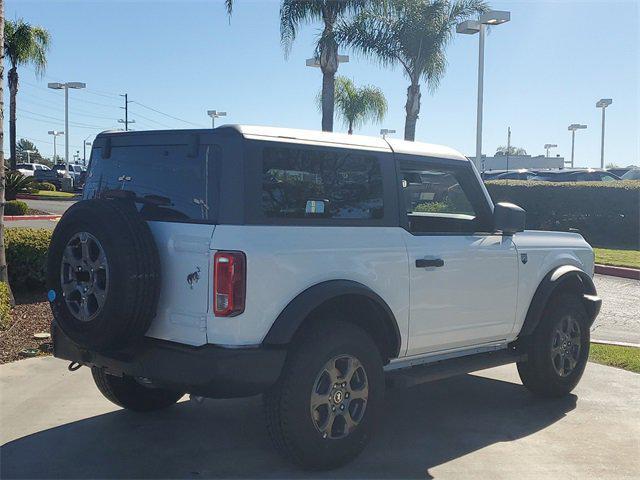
126, 120
508, 145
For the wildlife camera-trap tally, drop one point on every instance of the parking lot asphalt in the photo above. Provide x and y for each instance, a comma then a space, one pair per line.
619, 318
55, 424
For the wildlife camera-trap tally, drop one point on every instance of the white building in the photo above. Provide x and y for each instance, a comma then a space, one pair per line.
515, 162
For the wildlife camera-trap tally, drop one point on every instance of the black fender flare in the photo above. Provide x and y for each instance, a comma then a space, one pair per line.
561, 277
294, 314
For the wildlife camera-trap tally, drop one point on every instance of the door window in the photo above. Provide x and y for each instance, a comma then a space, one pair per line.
440, 200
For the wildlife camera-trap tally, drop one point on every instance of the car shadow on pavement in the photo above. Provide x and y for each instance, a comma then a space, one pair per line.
421, 428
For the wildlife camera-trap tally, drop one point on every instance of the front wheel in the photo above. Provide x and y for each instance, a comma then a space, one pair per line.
558, 350
126, 392
322, 411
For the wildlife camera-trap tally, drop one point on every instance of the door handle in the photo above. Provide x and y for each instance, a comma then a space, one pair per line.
429, 262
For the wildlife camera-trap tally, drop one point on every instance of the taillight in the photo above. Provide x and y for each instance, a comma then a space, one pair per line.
229, 283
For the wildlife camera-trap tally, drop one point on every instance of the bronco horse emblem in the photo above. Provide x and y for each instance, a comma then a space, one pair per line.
193, 278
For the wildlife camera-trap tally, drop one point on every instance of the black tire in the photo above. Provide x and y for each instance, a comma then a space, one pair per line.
540, 372
127, 393
131, 283
288, 408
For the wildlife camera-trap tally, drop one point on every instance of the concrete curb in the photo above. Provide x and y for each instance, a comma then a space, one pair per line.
624, 272
617, 344
26, 196
14, 218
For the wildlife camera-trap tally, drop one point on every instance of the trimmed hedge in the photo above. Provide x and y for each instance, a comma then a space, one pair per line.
15, 207
26, 250
607, 214
5, 306
46, 186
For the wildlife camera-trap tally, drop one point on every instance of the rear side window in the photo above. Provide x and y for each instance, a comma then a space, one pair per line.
320, 183
167, 182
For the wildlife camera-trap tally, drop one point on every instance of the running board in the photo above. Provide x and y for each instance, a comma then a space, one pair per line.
410, 376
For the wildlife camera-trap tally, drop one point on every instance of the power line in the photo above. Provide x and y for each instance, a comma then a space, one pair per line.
57, 119
75, 112
166, 114
152, 120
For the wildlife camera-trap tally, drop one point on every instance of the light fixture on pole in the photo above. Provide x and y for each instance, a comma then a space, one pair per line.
547, 146
55, 134
66, 86
215, 114
29, 152
572, 128
603, 103
470, 27
315, 61
385, 131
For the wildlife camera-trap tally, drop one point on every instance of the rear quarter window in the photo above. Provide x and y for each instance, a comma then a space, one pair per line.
348, 184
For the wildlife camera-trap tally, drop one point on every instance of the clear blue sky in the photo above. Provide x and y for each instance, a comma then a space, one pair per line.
543, 70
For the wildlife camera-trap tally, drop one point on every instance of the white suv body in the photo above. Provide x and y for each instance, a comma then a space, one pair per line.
264, 235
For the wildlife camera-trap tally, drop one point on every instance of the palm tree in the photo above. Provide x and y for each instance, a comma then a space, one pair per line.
413, 34
358, 105
4, 274
294, 13
23, 44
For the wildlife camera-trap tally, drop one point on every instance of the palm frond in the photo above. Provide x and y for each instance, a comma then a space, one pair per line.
25, 43
358, 105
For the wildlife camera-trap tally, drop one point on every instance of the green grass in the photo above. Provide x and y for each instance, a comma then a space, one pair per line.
618, 258
47, 193
627, 358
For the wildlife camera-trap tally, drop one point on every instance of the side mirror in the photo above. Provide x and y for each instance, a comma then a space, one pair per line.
508, 218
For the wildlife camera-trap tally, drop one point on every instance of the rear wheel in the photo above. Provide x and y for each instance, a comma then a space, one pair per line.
127, 393
559, 349
323, 410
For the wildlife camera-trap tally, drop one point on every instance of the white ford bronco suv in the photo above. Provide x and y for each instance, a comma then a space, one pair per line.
316, 269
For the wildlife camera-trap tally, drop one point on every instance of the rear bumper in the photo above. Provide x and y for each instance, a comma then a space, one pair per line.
208, 371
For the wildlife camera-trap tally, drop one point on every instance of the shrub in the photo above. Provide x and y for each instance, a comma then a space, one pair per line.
26, 250
5, 306
16, 183
49, 187
607, 214
15, 207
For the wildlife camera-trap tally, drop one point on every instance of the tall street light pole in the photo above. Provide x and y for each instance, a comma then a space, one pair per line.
55, 134
547, 146
85, 144
66, 86
470, 27
215, 114
572, 128
603, 103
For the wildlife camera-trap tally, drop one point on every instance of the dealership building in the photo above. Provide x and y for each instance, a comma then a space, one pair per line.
516, 162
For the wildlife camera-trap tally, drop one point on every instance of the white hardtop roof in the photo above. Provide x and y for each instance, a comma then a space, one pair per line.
359, 141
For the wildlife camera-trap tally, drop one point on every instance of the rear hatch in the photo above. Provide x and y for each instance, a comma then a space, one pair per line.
172, 178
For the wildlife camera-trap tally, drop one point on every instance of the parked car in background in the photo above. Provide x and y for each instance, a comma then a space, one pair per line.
77, 172
28, 169
50, 176
520, 174
632, 174
576, 175
619, 171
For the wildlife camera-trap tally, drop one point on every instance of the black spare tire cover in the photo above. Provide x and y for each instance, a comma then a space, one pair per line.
103, 274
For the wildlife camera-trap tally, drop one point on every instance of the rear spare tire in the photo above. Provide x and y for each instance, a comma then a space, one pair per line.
103, 274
